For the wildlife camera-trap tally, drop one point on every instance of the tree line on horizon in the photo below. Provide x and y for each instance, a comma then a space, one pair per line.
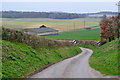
53, 15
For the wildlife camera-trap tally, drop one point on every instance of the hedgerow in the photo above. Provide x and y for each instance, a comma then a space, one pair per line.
31, 40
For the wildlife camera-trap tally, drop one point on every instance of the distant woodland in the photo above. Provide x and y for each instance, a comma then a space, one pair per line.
52, 15
15, 14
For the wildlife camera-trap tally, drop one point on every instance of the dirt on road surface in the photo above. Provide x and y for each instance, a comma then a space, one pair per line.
75, 67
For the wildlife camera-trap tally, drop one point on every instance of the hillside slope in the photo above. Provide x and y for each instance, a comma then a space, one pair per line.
106, 58
20, 59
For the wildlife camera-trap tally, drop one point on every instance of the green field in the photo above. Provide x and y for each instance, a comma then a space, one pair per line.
82, 34
59, 24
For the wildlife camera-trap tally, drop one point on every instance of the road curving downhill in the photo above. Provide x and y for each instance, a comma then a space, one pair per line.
75, 67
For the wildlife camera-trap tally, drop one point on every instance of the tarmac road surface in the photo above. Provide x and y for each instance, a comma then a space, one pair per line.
75, 67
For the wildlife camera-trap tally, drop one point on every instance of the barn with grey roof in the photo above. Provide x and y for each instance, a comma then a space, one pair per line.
42, 31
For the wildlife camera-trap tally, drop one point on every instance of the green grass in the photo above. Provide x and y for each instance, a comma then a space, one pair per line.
20, 59
60, 24
105, 58
92, 34
0, 60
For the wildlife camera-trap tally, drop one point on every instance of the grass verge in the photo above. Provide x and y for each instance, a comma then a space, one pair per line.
105, 58
19, 60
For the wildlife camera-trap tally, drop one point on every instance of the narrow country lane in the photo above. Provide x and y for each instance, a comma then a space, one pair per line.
75, 67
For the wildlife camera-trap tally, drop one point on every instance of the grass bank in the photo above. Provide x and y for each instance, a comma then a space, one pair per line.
105, 58
20, 59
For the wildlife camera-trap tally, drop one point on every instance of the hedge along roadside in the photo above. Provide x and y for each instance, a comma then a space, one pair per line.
31, 40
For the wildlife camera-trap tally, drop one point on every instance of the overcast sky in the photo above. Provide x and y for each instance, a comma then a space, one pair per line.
72, 7
60, 0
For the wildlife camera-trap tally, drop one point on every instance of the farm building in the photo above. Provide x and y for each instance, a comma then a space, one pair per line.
41, 31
